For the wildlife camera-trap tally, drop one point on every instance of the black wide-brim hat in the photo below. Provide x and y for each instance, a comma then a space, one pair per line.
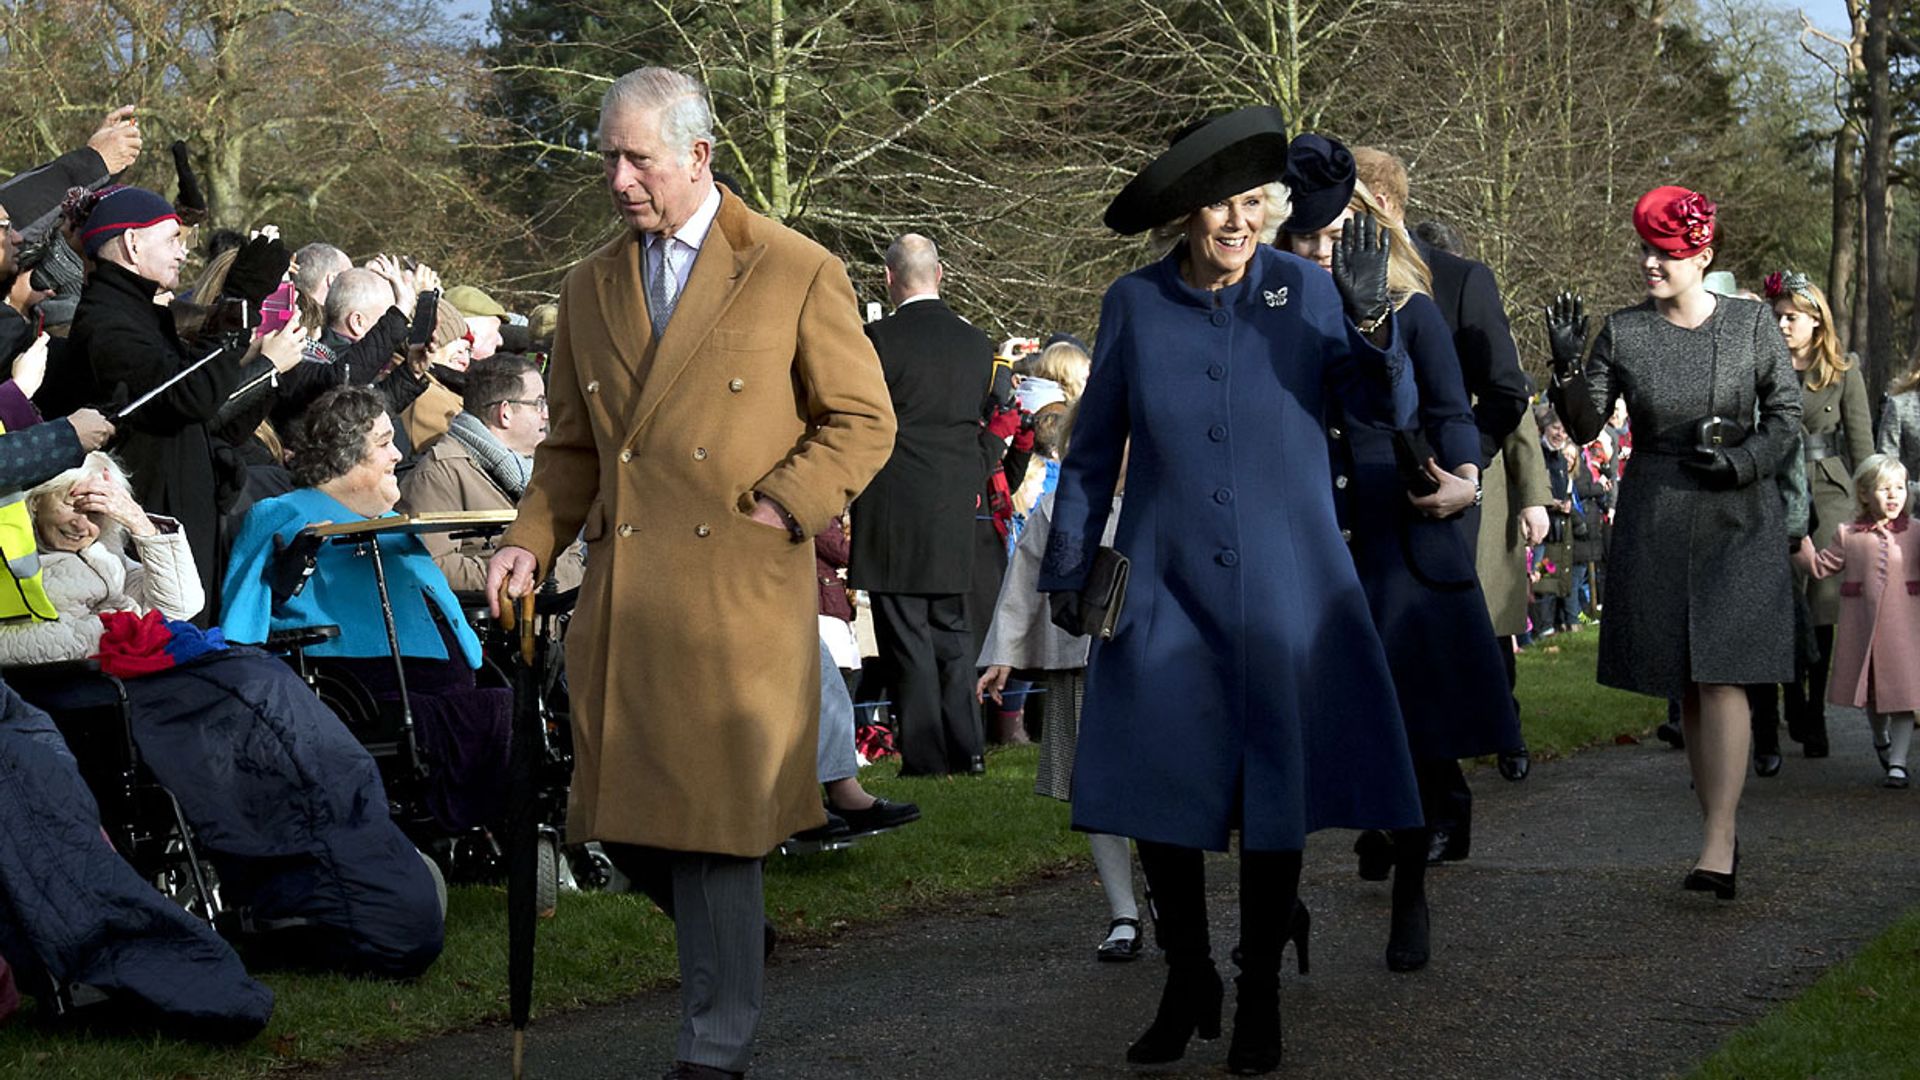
1320, 177
1206, 163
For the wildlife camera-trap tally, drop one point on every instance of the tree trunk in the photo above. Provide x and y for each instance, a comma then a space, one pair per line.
1882, 348
1843, 264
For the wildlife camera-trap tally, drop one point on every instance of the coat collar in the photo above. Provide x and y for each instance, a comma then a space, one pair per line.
1262, 265
727, 259
1897, 525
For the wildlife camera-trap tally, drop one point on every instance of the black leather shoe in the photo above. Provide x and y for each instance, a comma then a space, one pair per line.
977, 767
1719, 884
1516, 764
1671, 734
881, 815
1375, 848
836, 828
1119, 950
1766, 766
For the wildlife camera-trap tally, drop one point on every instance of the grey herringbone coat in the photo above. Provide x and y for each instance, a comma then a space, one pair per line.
1698, 582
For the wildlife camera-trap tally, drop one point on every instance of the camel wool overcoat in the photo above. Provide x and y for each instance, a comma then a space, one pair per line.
693, 658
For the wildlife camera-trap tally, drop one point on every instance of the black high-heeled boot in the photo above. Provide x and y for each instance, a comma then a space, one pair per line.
1269, 882
1408, 943
1190, 1001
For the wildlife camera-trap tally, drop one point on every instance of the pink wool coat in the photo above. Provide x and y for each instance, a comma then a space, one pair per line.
1876, 643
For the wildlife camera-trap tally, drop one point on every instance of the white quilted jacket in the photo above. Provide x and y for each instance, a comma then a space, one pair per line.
99, 579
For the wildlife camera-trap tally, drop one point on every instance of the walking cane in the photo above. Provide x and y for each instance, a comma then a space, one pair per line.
522, 828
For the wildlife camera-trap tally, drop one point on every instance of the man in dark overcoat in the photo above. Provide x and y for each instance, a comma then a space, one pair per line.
913, 528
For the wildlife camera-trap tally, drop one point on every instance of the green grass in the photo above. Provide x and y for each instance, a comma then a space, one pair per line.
1563, 710
978, 835
1858, 1021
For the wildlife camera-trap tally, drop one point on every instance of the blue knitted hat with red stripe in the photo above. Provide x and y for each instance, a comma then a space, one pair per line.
120, 209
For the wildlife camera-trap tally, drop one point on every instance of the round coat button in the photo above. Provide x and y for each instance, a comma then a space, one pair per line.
1229, 557
737, 385
1346, 534
1218, 433
699, 453
1216, 372
626, 530
593, 387
626, 455
1223, 496
1340, 482
702, 531
1336, 432
1221, 318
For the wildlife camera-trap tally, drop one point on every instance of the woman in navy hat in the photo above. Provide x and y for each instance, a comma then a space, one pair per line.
1403, 498
1245, 686
1699, 592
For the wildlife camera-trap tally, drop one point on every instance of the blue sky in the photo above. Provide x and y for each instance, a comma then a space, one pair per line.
1828, 15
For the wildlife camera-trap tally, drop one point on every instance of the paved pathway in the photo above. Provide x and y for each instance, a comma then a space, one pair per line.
1564, 948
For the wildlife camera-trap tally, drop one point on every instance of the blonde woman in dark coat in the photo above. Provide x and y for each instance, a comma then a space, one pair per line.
1837, 431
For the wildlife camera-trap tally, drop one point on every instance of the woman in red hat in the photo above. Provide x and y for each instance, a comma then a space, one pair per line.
1699, 601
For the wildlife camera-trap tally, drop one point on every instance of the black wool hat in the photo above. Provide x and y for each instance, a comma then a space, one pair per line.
1320, 178
1207, 162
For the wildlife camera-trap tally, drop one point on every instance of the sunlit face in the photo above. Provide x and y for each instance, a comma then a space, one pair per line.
1890, 495
486, 337
655, 189
1795, 325
1221, 237
1668, 277
526, 416
374, 473
1317, 247
9, 246
156, 252
59, 527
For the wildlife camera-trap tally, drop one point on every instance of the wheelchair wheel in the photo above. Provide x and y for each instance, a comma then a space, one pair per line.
175, 879
592, 870
546, 879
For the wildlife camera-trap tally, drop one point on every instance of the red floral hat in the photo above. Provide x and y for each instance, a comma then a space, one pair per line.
1677, 222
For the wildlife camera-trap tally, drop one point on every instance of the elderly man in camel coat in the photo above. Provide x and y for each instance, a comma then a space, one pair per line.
713, 405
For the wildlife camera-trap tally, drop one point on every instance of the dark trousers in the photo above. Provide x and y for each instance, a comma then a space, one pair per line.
924, 639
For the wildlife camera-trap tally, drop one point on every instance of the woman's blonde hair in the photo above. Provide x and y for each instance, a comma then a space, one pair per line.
1829, 363
191, 314
1065, 363
1164, 238
1872, 472
97, 463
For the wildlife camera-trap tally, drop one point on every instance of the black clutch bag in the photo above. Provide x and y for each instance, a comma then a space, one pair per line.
1410, 454
1104, 593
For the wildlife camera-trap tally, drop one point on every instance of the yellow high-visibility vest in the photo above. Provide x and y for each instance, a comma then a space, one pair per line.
22, 594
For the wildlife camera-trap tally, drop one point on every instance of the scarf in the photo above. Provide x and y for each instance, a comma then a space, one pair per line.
501, 465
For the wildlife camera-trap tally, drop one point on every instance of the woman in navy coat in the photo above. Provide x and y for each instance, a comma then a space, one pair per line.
1414, 553
1245, 686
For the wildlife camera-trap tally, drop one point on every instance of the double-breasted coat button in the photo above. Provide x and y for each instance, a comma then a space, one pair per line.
1340, 482
1229, 557
702, 531
1221, 318
1218, 433
1336, 432
626, 530
1216, 372
626, 455
699, 453
1223, 496
737, 385
1346, 535
593, 386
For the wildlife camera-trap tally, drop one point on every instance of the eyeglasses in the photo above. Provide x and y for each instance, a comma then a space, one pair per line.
537, 403
5, 225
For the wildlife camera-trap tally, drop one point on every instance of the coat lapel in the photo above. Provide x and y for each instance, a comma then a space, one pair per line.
623, 303
726, 260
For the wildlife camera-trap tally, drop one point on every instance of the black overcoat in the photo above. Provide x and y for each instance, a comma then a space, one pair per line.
1469, 299
913, 528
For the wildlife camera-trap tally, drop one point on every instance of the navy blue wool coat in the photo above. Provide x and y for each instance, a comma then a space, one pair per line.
1245, 686
1419, 572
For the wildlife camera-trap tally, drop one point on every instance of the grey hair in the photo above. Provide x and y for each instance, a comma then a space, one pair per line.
914, 261
1164, 238
358, 290
97, 463
316, 263
681, 99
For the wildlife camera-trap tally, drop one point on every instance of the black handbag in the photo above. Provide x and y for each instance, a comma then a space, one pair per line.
1411, 452
1104, 593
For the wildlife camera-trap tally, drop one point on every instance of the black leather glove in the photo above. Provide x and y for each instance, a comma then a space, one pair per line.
293, 563
190, 201
1566, 332
1360, 269
1713, 468
257, 269
1064, 609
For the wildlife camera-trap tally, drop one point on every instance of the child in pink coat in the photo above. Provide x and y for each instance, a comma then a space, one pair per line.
1876, 645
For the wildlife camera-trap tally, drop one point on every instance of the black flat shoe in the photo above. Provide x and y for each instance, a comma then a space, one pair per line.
1766, 766
1375, 848
836, 828
1671, 734
1409, 943
1119, 950
881, 815
1515, 764
1713, 881
1449, 845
